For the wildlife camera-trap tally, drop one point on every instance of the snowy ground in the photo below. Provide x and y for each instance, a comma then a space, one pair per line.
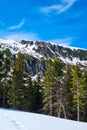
17, 120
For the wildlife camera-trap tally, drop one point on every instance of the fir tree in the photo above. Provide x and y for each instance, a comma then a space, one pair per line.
18, 87
67, 92
5, 78
49, 85
28, 95
77, 89
59, 86
38, 91
84, 96
53, 91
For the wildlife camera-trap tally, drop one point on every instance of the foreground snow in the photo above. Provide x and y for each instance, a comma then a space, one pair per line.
17, 120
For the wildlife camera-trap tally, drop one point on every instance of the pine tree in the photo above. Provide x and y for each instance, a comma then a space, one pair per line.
84, 95
49, 85
53, 89
67, 92
77, 89
32, 95
59, 86
1, 77
5, 77
38, 91
28, 95
18, 83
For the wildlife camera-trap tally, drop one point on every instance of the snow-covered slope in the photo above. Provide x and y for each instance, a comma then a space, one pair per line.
17, 46
39, 50
17, 120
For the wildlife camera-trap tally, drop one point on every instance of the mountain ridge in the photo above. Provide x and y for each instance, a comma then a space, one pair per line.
46, 50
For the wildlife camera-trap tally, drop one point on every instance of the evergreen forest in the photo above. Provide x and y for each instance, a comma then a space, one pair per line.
62, 92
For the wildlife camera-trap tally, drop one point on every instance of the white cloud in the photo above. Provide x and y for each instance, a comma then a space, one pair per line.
14, 27
63, 41
65, 5
21, 36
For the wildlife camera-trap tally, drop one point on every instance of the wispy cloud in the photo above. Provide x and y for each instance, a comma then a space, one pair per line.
58, 8
63, 41
1, 23
21, 36
14, 27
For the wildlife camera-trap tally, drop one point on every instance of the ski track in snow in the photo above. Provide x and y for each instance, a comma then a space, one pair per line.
18, 125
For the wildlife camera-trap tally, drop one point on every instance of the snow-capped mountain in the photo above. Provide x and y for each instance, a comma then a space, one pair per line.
17, 120
43, 50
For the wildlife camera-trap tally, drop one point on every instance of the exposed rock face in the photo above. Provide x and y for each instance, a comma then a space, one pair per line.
36, 54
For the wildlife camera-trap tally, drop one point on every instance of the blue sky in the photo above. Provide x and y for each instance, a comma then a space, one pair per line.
62, 21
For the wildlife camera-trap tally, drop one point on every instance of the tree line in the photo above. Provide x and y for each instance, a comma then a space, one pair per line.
62, 92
